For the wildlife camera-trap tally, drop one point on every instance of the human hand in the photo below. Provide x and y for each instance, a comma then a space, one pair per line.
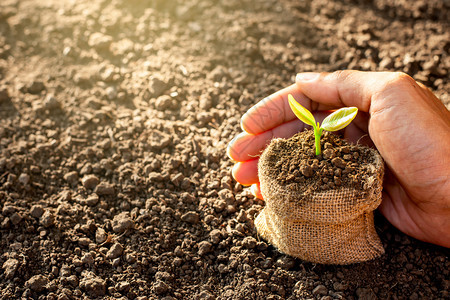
403, 119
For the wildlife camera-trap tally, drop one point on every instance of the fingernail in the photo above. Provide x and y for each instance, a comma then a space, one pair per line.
241, 123
230, 145
306, 76
253, 190
233, 170
256, 191
229, 149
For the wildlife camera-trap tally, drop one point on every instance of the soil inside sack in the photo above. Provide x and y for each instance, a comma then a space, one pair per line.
294, 163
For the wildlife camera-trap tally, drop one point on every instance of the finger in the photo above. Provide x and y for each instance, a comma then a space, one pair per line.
247, 146
246, 173
256, 190
274, 110
345, 88
386, 96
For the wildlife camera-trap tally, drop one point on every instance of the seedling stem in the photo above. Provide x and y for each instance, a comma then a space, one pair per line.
334, 122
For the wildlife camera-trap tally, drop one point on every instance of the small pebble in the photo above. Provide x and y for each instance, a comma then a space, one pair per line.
8, 209
160, 287
35, 87
320, 290
91, 200
71, 177
115, 251
104, 189
87, 258
191, 217
84, 242
90, 181
215, 236
100, 236
157, 86
285, 262
36, 211
163, 102
24, 179
204, 247
10, 266
47, 219
347, 157
249, 242
329, 154
51, 102
92, 284
111, 92
37, 283
306, 170
122, 222
15, 218
339, 162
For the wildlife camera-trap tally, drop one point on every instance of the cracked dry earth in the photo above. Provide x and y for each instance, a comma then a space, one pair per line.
114, 120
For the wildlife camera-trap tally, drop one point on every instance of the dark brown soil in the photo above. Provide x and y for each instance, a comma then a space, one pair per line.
114, 120
293, 163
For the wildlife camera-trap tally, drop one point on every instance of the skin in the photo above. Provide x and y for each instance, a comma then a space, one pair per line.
403, 119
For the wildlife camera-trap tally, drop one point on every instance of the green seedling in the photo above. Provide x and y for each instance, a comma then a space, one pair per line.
334, 122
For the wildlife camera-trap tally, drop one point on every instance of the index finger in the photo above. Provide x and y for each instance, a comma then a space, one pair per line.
274, 110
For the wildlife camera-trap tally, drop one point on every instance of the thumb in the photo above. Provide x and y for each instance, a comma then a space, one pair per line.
393, 94
352, 88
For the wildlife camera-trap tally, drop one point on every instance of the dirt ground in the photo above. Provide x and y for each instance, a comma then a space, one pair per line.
114, 120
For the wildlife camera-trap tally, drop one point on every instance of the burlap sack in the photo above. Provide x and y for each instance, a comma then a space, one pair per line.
327, 227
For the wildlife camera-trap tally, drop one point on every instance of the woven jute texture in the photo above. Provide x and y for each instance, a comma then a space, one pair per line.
327, 227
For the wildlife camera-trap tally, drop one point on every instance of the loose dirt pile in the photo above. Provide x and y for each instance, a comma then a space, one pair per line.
293, 163
114, 119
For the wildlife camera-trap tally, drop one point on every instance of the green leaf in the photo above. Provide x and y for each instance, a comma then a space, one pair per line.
302, 113
339, 119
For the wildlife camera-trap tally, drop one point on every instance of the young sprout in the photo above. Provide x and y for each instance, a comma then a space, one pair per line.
334, 122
